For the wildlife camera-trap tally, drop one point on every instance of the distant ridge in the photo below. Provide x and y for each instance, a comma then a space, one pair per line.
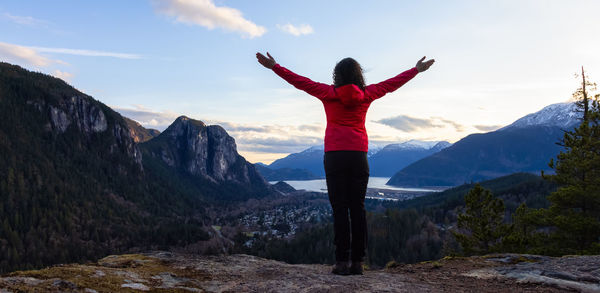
383, 161
394, 157
527, 145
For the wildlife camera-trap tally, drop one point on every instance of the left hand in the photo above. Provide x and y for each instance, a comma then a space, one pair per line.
266, 62
422, 66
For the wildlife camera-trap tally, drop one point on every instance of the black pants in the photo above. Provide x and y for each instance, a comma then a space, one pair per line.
347, 174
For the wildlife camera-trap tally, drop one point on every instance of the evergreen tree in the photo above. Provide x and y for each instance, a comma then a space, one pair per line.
482, 222
574, 212
523, 235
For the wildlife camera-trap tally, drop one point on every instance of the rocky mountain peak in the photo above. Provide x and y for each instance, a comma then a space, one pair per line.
205, 151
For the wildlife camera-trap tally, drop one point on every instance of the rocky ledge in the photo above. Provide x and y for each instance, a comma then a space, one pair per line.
172, 272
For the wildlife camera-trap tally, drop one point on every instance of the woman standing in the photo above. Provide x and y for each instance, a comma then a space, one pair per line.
346, 144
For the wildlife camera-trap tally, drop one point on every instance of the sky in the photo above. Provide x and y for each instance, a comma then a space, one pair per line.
155, 60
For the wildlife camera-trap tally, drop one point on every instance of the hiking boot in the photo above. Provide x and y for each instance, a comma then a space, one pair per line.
341, 268
356, 268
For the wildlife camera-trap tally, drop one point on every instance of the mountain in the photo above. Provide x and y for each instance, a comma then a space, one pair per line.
74, 185
208, 156
563, 115
284, 173
527, 145
310, 159
394, 157
139, 133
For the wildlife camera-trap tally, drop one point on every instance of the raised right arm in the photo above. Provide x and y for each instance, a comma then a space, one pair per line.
317, 89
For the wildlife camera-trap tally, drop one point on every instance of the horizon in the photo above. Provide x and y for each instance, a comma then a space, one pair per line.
149, 61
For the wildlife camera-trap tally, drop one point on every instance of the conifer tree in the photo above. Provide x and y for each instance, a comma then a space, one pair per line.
574, 211
522, 235
482, 222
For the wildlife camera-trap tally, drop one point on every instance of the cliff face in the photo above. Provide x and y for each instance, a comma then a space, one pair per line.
86, 117
172, 272
203, 151
72, 185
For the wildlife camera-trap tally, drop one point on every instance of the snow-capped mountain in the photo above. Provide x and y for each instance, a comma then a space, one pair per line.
315, 148
394, 157
562, 115
527, 145
415, 144
373, 149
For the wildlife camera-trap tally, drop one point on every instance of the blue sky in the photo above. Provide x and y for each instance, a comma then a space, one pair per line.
153, 60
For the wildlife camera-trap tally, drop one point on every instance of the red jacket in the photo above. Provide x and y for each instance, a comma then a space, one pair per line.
345, 107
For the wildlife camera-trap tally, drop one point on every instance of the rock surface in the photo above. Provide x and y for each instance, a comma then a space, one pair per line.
581, 273
172, 272
88, 117
204, 151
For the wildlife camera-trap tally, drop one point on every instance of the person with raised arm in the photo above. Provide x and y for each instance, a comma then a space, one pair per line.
346, 102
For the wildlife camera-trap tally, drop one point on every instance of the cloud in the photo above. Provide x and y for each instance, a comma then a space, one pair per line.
233, 127
20, 54
205, 13
31, 55
303, 29
407, 123
147, 117
411, 124
274, 139
487, 128
66, 76
456, 126
23, 20
91, 53
276, 145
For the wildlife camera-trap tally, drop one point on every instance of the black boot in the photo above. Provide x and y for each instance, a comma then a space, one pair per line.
341, 268
356, 268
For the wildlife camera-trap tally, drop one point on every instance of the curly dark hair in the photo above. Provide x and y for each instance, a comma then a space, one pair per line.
348, 71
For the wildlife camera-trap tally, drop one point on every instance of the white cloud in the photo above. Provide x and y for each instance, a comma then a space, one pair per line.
91, 53
303, 29
205, 13
27, 55
20, 54
23, 20
412, 124
487, 128
66, 76
147, 117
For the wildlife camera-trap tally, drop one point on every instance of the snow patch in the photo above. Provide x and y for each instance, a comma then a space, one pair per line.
561, 114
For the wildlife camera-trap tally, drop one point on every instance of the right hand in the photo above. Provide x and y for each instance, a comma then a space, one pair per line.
422, 66
266, 62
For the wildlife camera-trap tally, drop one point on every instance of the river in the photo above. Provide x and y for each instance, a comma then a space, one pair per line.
320, 185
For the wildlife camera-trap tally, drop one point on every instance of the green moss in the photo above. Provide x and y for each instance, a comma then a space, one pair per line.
392, 264
116, 269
